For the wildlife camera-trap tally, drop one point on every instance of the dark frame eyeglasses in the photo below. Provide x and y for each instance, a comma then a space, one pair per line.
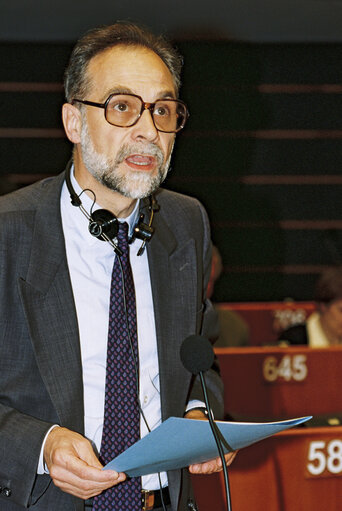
168, 115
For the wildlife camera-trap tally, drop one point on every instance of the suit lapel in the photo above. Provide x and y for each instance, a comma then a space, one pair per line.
172, 269
49, 306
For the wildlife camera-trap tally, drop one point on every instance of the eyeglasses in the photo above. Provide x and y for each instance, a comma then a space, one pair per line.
124, 110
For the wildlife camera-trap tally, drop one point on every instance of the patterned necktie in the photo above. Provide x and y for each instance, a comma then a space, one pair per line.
121, 427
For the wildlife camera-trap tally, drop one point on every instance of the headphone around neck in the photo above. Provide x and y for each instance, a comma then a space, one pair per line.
104, 225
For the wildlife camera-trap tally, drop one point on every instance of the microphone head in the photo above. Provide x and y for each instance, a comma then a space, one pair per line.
197, 354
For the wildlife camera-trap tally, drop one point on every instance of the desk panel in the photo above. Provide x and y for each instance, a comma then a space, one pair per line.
281, 382
296, 470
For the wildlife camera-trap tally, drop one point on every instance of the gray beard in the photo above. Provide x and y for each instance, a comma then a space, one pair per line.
135, 185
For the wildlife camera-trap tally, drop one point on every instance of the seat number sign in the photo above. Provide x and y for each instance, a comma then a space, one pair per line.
288, 368
324, 458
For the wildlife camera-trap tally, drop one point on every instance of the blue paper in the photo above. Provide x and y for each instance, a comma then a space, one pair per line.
178, 443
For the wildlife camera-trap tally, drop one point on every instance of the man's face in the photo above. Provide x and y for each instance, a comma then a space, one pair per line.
134, 160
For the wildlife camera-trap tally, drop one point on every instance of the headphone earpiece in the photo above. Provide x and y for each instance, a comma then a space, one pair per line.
102, 222
143, 231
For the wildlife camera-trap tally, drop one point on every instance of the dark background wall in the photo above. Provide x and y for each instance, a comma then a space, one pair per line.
262, 149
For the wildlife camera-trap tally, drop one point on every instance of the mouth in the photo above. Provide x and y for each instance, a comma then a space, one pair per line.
141, 162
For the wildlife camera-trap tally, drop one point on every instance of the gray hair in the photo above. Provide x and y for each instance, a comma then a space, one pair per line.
76, 81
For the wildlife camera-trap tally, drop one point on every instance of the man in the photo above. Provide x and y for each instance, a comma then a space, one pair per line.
121, 114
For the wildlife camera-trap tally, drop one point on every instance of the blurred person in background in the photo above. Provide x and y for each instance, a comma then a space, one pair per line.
234, 331
323, 327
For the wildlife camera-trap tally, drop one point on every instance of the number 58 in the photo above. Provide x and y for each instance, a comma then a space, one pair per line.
325, 456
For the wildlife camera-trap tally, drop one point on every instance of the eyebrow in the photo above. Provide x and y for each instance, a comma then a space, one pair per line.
126, 90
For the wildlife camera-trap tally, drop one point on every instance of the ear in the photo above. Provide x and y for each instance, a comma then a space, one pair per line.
72, 122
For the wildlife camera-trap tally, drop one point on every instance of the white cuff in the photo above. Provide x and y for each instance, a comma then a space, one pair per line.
42, 468
194, 403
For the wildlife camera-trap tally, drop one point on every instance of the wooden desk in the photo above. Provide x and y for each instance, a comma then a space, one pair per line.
296, 470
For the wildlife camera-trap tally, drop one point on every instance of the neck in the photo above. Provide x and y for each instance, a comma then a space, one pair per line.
108, 199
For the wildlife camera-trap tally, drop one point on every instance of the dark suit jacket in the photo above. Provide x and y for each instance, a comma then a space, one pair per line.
40, 364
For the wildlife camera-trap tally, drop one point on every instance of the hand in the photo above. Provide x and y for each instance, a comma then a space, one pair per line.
74, 467
211, 466
196, 414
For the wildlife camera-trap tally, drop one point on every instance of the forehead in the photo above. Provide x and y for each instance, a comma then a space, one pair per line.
138, 69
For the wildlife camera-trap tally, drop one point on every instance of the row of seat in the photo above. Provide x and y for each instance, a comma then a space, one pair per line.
259, 323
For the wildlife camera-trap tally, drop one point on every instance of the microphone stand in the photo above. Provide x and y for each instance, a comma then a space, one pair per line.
214, 429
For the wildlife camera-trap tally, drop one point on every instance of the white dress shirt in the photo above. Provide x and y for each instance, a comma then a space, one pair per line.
90, 263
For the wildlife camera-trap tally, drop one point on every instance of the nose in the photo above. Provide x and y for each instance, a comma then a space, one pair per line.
145, 128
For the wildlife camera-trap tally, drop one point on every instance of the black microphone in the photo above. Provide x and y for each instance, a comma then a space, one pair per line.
197, 356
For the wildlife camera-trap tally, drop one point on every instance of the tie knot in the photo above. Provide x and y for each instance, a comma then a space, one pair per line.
123, 234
